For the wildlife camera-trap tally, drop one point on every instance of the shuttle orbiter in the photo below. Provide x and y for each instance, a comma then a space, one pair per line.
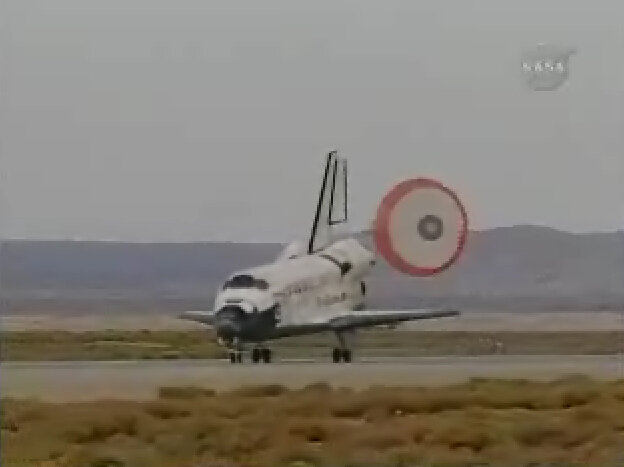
319, 285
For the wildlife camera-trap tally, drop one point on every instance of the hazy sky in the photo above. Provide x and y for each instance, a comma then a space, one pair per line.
201, 119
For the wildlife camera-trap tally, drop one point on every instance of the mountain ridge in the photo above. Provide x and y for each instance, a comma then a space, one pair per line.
506, 268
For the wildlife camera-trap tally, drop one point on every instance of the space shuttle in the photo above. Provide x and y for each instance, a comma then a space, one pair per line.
318, 284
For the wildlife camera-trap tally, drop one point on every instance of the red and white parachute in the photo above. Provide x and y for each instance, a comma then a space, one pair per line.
421, 227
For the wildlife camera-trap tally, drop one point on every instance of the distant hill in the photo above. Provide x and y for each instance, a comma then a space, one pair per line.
523, 267
510, 268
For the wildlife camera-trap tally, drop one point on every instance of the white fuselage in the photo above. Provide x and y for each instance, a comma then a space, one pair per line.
305, 287
313, 286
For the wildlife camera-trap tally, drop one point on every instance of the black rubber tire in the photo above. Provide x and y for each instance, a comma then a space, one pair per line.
232, 357
256, 355
346, 355
336, 355
239, 357
266, 355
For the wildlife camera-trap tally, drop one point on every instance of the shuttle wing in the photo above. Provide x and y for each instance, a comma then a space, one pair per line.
204, 317
377, 318
361, 319
342, 322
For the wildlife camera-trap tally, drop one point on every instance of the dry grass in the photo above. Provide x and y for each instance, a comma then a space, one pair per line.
571, 421
150, 344
107, 345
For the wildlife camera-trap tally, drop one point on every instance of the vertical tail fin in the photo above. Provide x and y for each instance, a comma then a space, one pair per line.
332, 203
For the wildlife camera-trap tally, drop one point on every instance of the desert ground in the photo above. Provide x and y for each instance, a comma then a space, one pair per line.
571, 421
430, 393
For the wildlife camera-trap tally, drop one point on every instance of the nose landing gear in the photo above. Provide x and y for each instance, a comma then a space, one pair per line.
258, 353
235, 349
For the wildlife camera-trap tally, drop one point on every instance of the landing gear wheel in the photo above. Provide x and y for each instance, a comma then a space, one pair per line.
256, 355
266, 355
236, 357
336, 355
346, 355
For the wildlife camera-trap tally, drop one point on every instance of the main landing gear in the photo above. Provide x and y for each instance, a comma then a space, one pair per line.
343, 355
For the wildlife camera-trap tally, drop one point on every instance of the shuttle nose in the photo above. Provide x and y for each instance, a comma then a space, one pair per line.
227, 328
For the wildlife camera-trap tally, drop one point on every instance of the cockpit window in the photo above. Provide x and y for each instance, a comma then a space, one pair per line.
245, 281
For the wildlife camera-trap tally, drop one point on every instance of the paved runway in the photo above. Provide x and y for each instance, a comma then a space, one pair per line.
61, 381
